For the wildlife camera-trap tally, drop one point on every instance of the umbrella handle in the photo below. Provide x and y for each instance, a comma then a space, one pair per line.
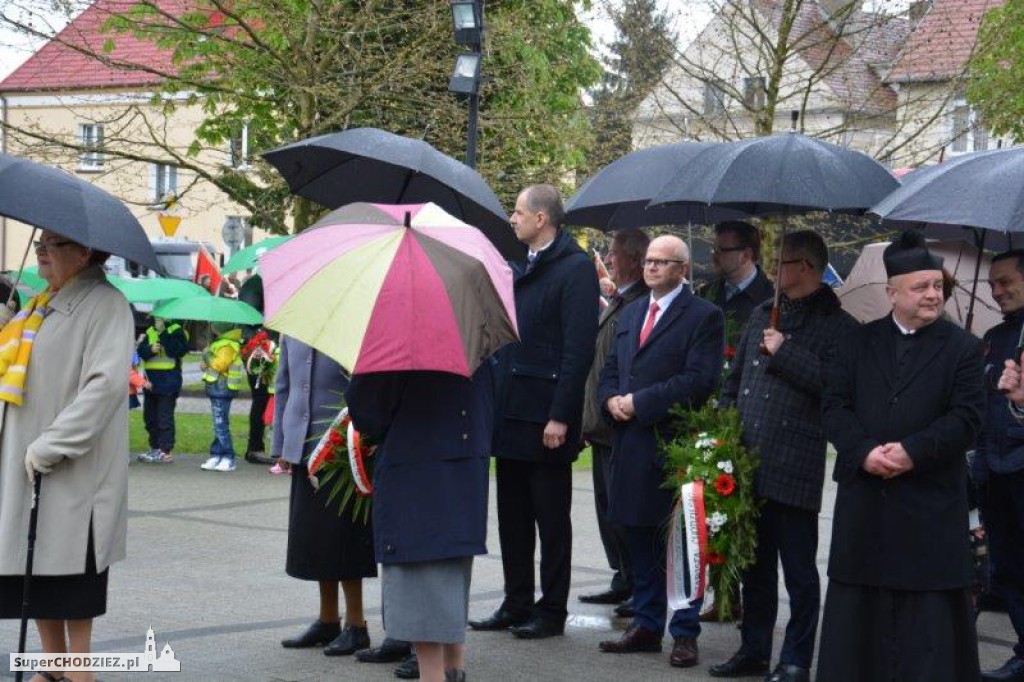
773, 323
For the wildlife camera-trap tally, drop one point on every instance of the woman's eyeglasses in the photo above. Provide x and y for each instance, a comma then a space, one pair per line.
44, 247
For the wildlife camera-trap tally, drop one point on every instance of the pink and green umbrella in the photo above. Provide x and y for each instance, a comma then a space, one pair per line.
385, 288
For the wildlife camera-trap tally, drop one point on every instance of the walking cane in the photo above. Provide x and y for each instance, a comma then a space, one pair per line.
33, 519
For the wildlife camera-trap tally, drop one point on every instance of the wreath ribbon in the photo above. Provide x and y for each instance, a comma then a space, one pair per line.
688, 547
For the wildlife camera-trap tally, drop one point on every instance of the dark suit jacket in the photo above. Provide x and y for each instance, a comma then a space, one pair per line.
779, 397
1001, 443
738, 309
430, 477
595, 428
679, 364
543, 376
908, 532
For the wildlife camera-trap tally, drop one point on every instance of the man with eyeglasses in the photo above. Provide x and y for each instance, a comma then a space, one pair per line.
740, 283
779, 400
667, 352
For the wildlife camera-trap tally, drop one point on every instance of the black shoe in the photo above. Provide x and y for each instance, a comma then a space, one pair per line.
1012, 671
257, 458
409, 670
317, 634
539, 628
500, 620
606, 597
740, 665
784, 672
625, 609
390, 651
352, 639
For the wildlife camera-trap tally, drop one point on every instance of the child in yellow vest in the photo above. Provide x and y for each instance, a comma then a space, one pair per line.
223, 376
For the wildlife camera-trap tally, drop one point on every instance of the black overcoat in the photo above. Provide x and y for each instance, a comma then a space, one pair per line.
779, 396
908, 532
542, 377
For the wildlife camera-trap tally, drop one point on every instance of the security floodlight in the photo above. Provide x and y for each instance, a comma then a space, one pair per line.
466, 77
468, 21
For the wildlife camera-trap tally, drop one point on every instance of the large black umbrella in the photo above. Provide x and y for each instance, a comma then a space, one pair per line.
55, 200
780, 174
618, 195
368, 164
978, 196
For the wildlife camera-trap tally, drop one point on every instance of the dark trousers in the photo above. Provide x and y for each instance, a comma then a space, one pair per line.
1004, 524
535, 498
790, 534
650, 599
158, 416
257, 429
613, 537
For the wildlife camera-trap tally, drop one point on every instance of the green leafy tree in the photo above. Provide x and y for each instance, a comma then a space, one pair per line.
996, 87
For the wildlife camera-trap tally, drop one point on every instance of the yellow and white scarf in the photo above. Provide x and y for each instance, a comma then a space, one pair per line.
16, 340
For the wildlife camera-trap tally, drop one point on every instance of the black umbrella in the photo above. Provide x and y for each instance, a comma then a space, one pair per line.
55, 200
780, 174
978, 196
618, 195
368, 164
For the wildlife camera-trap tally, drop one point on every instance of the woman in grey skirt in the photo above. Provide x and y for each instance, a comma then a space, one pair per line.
429, 503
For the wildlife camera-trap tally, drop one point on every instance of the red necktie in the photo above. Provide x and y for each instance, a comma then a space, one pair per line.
649, 323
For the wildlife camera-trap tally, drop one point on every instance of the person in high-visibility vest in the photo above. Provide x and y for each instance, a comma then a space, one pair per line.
223, 375
161, 348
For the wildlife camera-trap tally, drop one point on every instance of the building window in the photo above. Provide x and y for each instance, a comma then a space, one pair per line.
238, 148
714, 98
968, 132
754, 93
90, 138
163, 182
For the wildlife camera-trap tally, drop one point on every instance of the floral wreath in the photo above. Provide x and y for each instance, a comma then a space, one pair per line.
344, 457
712, 532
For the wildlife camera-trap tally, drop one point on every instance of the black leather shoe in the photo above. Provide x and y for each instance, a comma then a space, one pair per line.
390, 651
500, 620
784, 672
352, 639
1012, 671
409, 670
317, 634
740, 665
539, 628
606, 597
625, 609
257, 458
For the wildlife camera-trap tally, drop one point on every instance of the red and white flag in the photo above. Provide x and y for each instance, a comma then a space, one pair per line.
207, 273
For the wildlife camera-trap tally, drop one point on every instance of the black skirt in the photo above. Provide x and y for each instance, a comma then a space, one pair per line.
322, 544
873, 634
58, 597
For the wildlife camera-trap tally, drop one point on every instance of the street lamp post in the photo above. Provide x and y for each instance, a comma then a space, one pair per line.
468, 26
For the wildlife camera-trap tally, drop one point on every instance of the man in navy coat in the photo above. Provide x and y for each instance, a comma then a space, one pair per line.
539, 385
668, 351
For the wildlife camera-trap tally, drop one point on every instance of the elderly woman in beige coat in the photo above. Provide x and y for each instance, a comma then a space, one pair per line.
73, 428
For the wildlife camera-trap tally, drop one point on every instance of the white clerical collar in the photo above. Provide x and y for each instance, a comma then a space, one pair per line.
665, 301
903, 330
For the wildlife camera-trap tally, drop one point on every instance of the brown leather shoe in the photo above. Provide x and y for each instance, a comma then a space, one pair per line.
684, 653
636, 639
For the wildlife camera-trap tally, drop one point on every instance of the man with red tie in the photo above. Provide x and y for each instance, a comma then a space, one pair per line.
667, 351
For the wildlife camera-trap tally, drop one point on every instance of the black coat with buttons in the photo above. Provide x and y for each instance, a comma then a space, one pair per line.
431, 472
543, 377
908, 532
779, 397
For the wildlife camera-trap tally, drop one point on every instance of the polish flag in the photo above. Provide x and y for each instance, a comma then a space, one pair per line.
207, 273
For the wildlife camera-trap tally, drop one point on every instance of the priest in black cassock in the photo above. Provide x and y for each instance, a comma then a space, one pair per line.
902, 404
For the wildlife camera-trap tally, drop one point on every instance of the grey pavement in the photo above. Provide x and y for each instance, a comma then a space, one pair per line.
205, 570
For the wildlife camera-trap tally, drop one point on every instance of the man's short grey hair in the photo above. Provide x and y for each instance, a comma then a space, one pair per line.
632, 244
547, 200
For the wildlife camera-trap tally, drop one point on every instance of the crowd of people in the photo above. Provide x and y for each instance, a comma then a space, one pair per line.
903, 399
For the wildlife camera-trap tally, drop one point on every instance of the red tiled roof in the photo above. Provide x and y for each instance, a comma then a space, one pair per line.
59, 66
942, 42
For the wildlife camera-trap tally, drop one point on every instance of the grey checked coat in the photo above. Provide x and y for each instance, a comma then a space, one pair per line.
779, 397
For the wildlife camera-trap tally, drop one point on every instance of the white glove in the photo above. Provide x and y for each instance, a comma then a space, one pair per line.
33, 463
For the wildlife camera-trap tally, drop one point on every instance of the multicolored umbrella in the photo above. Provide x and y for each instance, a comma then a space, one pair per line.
384, 288
247, 258
208, 309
